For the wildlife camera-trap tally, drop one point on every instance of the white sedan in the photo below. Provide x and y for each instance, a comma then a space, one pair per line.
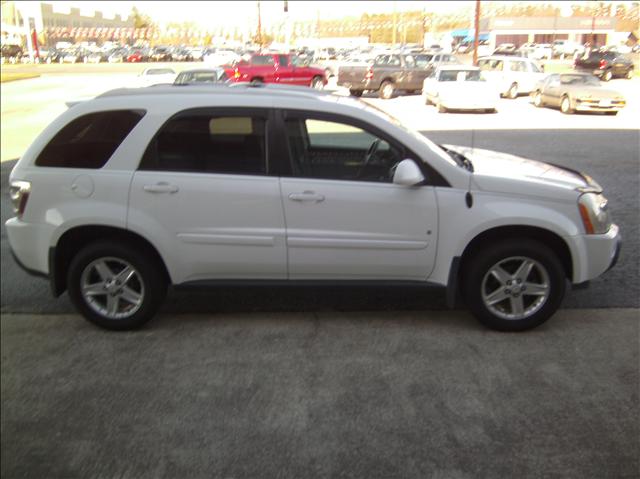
156, 76
459, 87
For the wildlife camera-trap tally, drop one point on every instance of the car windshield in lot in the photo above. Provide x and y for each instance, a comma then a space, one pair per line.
579, 80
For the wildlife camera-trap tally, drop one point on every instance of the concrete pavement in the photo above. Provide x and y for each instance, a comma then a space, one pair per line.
366, 395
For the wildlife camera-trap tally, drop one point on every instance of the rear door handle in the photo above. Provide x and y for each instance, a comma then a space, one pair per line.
306, 196
160, 188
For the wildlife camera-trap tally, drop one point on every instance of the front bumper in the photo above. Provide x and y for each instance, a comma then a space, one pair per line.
596, 105
597, 254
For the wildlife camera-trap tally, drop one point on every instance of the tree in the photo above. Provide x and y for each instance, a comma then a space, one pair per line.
140, 20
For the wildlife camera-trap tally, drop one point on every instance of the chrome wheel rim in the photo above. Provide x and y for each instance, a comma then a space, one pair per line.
317, 84
565, 105
513, 91
515, 288
387, 91
112, 287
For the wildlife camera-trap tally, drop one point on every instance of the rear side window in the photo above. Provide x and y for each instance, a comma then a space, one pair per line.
89, 140
209, 143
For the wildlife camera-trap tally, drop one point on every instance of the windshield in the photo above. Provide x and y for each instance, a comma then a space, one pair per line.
415, 134
579, 80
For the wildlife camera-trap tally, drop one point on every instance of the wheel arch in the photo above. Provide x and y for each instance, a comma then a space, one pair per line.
74, 239
499, 233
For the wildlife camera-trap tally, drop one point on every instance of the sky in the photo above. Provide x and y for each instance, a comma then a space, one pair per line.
216, 13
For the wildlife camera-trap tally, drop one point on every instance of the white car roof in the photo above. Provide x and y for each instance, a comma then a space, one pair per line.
504, 57
459, 67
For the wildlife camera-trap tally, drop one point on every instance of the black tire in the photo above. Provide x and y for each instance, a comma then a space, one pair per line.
150, 273
357, 93
316, 83
256, 81
387, 90
475, 276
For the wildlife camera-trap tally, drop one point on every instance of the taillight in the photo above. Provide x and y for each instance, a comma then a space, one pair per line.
603, 63
236, 74
19, 193
369, 74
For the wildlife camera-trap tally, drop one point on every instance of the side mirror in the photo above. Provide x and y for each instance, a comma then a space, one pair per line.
407, 173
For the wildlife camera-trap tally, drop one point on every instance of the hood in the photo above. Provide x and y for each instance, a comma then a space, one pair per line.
597, 93
502, 172
466, 88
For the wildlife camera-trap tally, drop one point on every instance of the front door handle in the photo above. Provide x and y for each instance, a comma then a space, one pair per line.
306, 196
161, 187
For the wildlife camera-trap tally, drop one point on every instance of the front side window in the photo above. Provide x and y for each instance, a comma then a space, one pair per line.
209, 143
263, 60
283, 60
339, 151
89, 140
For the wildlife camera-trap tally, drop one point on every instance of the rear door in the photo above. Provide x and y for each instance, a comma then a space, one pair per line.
204, 194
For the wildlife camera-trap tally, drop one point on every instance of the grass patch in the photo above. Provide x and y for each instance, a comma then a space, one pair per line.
13, 76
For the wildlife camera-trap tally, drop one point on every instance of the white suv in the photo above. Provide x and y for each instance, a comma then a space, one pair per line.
138, 189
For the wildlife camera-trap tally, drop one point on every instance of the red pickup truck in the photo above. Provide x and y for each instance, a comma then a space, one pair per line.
276, 68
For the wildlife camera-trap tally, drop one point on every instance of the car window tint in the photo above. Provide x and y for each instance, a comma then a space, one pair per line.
535, 68
209, 144
283, 61
334, 150
90, 140
263, 60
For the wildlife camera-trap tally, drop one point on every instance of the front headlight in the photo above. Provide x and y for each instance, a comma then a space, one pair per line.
594, 213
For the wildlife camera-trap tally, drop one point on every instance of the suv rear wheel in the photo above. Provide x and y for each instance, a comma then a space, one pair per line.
116, 286
514, 285
513, 91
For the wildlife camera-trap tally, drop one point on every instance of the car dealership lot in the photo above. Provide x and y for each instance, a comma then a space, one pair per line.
371, 383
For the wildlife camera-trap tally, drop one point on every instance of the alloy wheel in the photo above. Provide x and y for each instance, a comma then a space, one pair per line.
112, 287
515, 288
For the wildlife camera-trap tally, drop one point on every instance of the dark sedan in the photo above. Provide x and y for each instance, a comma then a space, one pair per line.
605, 64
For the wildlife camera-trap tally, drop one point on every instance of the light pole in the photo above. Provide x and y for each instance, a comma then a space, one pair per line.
476, 35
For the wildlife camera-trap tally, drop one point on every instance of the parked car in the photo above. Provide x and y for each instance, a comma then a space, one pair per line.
506, 49
512, 75
201, 75
577, 92
541, 51
98, 56
118, 56
11, 53
276, 68
388, 74
464, 47
181, 55
156, 76
196, 53
605, 65
459, 87
75, 55
137, 56
51, 55
169, 185
563, 48
221, 57
160, 54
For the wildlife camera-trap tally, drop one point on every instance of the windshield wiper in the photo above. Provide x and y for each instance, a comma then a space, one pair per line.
459, 158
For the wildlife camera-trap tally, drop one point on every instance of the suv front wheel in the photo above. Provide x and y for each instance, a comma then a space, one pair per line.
116, 286
514, 285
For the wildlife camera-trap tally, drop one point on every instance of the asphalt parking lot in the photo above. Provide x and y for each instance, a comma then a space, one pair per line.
353, 382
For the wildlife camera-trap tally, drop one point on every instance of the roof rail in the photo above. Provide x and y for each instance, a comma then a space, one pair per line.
233, 88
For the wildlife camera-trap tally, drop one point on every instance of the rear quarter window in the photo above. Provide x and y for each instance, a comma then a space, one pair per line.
89, 140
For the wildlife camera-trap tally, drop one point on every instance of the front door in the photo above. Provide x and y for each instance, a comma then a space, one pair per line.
345, 219
203, 193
